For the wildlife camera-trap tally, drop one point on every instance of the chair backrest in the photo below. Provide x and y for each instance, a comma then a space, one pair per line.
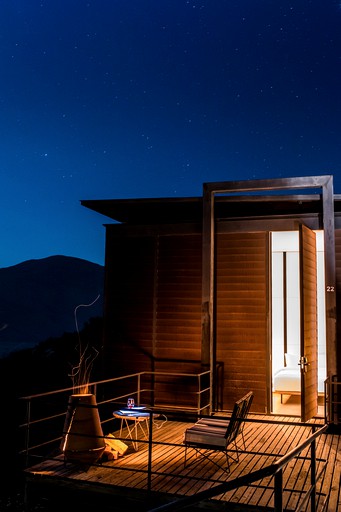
240, 411
247, 401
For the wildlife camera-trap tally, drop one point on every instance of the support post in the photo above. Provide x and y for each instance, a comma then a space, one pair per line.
207, 348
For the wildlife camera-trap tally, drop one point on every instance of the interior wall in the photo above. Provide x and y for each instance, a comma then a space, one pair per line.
288, 242
285, 242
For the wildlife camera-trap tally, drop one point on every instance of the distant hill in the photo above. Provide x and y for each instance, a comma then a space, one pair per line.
38, 299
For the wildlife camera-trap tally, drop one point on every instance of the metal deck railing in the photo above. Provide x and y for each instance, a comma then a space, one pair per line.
45, 413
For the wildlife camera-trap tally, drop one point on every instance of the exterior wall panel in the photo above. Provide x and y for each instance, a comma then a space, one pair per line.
338, 295
241, 315
129, 296
153, 310
178, 316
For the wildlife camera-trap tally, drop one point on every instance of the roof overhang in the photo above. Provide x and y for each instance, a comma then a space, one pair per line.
189, 209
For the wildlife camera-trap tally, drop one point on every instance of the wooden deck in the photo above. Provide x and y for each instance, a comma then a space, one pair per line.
125, 480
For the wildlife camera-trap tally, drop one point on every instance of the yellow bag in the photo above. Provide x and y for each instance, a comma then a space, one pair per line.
116, 444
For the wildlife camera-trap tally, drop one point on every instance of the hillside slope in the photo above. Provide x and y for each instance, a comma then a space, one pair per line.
38, 299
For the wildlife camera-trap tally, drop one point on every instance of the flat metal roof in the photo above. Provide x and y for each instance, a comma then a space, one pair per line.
189, 209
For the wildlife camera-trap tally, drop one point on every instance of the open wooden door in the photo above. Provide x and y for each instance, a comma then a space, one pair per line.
308, 291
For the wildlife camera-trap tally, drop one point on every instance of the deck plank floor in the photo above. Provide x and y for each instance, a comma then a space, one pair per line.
264, 443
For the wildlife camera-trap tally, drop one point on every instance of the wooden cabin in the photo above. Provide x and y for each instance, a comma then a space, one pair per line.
237, 281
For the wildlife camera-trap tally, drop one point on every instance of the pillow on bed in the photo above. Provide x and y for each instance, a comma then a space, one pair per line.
291, 360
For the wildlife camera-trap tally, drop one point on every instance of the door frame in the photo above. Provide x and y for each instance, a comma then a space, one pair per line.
210, 190
306, 337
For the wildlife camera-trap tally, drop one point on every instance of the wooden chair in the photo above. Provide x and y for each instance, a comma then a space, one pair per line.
210, 434
247, 401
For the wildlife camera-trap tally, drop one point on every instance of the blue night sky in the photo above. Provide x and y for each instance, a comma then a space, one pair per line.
115, 99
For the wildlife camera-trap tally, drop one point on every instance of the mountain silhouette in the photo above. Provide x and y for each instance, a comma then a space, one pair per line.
46, 297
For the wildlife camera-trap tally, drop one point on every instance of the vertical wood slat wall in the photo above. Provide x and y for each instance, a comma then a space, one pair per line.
241, 315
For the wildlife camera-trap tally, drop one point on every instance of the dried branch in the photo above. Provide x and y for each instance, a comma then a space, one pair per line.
80, 373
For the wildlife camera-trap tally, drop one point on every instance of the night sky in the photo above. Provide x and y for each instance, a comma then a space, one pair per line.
115, 99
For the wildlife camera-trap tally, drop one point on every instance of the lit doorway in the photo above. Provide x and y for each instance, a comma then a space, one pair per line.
286, 379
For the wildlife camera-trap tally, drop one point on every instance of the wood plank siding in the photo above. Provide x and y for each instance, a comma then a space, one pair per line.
178, 314
153, 311
178, 302
338, 291
241, 315
153, 308
128, 315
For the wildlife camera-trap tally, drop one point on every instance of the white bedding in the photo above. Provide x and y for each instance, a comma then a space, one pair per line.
289, 379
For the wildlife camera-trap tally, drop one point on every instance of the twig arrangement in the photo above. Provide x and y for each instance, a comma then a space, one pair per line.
80, 373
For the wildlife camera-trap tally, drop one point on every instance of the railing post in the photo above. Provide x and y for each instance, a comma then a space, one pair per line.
27, 440
199, 394
278, 498
150, 451
138, 388
313, 474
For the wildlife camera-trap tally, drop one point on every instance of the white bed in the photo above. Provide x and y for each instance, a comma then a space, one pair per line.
287, 380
